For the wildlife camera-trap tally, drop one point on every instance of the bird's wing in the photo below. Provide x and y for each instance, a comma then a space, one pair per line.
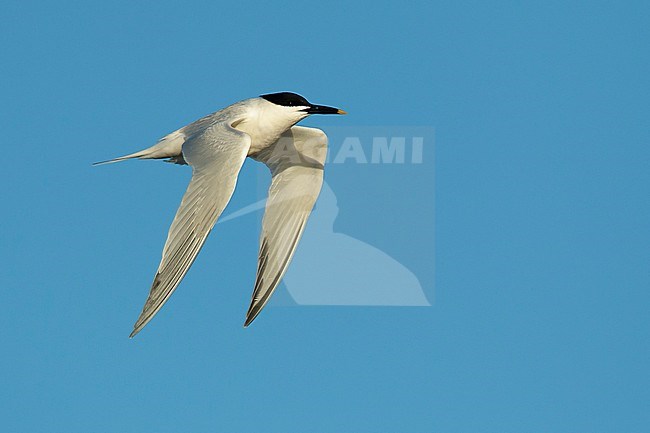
216, 155
296, 161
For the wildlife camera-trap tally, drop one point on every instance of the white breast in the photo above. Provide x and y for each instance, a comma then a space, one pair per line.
265, 122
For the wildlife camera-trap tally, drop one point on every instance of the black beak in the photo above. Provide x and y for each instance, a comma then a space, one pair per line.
322, 109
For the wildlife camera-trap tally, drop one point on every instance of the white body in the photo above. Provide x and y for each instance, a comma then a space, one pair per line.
263, 121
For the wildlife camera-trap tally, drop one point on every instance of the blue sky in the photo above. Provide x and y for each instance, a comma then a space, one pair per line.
539, 281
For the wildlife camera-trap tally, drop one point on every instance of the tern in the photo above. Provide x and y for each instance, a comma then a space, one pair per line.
216, 146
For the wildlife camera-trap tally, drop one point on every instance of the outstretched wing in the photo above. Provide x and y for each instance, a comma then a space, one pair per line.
296, 161
216, 155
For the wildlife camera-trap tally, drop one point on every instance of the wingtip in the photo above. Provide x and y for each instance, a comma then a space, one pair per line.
138, 327
250, 316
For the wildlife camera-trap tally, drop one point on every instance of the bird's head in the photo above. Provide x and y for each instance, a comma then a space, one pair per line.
297, 107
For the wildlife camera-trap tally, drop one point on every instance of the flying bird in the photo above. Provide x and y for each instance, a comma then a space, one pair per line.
216, 146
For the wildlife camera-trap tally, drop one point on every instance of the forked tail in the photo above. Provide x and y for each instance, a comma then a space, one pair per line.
169, 146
